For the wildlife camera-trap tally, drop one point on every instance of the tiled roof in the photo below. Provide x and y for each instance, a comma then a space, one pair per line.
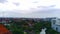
3, 29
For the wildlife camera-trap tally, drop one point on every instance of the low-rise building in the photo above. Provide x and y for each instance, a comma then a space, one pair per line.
55, 24
4, 30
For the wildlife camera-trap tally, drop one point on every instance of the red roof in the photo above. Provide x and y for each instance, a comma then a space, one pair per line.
4, 30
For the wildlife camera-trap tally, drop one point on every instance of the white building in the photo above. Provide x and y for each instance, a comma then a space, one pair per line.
55, 24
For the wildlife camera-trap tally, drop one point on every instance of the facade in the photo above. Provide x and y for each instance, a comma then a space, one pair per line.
55, 24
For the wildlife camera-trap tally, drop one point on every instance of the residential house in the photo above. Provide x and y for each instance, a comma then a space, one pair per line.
55, 24
4, 30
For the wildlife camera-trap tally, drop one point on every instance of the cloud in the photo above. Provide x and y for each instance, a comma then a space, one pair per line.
35, 2
42, 13
17, 4
10, 14
52, 5
3, 1
48, 11
29, 8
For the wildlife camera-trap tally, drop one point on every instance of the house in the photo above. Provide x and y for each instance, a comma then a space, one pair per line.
5, 23
55, 24
4, 30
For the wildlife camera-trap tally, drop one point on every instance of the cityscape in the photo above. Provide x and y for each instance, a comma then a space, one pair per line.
30, 25
29, 17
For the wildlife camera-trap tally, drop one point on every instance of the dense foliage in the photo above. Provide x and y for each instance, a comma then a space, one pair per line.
19, 27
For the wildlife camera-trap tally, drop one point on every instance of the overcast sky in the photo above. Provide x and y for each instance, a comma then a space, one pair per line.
30, 8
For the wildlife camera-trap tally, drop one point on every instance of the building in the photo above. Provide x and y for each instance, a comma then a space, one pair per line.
4, 30
55, 24
49, 19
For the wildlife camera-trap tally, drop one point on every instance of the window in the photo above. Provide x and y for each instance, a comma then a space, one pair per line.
54, 21
56, 29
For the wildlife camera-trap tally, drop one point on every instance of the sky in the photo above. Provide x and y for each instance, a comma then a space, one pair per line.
30, 8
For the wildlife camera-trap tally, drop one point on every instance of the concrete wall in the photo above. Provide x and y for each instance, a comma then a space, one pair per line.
55, 26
